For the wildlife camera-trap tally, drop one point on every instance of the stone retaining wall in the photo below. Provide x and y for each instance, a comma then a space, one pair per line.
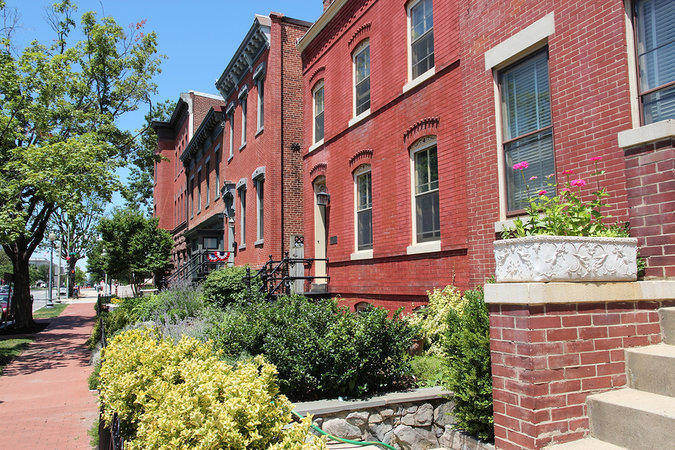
418, 419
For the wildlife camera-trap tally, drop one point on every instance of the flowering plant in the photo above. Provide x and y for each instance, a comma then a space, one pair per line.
565, 214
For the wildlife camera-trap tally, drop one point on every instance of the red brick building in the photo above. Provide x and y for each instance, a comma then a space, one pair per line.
238, 168
414, 113
170, 189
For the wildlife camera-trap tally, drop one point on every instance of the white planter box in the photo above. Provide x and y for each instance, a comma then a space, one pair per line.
565, 258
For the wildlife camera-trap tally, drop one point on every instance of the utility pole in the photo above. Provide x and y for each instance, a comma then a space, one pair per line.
52, 238
68, 259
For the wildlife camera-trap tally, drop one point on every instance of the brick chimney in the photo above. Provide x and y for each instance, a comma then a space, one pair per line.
326, 4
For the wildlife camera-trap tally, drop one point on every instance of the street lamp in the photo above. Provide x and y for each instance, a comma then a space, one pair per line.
52, 238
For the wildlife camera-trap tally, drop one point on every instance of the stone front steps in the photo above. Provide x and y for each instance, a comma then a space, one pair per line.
641, 416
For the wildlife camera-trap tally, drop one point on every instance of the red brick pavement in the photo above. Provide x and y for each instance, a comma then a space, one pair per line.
44, 398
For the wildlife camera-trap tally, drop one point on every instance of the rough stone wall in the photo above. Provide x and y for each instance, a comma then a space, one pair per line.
546, 359
411, 425
650, 177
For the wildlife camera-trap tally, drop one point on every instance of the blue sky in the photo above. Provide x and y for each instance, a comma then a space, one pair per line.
198, 37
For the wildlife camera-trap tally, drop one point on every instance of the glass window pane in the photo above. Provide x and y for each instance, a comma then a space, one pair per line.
421, 18
365, 229
362, 96
428, 217
421, 172
318, 127
362, 64
659, 105
525, 97
423, 54
537, 150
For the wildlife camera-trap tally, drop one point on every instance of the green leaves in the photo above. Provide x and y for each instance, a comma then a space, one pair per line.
567, 214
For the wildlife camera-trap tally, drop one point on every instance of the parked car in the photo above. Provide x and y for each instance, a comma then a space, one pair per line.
4, 305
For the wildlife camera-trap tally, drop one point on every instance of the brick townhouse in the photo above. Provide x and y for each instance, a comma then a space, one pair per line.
415, 112
170, 189
239, 167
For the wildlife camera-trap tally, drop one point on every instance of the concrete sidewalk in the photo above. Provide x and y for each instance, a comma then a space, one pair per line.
44, 398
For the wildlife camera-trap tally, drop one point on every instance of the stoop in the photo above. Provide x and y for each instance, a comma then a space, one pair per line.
641, 416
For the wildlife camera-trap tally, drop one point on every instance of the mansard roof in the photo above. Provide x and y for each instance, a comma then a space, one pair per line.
256, 41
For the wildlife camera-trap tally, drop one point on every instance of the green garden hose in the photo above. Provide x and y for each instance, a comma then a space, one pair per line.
348, 441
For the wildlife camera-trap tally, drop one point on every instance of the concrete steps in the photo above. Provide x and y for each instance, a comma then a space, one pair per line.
641, 416
667, 318
652, 369
588, 443
633, 419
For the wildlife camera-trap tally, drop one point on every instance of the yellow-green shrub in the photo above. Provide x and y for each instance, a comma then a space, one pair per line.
433, 320
178, 395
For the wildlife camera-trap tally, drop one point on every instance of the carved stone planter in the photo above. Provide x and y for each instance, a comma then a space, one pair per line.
566, 258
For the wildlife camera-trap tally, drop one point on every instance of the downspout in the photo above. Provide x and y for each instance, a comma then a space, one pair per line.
283, 185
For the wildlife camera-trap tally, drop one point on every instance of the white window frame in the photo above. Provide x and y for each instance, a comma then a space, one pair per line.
191, 196
363, 169
319, 85
244, 108
359, 49
423, 76
207, 180
426, 246
261, 106
242, 217
231, 135
216, 168
199, 190
260, 206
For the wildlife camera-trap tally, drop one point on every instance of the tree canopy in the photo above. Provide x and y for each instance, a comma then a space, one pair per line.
59, 139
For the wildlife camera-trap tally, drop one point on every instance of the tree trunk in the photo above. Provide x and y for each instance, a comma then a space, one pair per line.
22, 303
71, 275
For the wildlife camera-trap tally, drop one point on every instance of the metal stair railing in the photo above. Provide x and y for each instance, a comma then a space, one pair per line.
275, 277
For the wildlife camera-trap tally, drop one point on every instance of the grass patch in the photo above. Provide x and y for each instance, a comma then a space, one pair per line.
11, 348
48, 313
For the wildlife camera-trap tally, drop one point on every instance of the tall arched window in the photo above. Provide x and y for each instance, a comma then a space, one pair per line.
426, 214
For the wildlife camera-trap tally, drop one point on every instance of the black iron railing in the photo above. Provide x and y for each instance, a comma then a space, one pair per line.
197, 267
109, 437
275, 277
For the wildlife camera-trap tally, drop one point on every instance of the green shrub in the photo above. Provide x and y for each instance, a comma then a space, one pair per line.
467, 349
94, 376
170, 305
228, 285
430, 370
433, 320
182, 395
319, 349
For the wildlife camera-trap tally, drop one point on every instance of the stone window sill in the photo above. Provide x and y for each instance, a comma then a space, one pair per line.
259, 242
423, 247
361, 254
260, 130
647, 133
314, 146
242, 247
243, 146
419, 80
229, 158
359, 118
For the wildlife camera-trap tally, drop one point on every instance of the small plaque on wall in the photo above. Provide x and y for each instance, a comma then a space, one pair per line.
333, 240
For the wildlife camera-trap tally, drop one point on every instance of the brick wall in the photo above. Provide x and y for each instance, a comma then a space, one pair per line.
546, 359
588, 73
650, 177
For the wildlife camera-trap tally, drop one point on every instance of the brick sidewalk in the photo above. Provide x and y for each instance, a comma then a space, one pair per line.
44, 398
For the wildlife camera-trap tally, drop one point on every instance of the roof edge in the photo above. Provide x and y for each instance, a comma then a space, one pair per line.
320, 24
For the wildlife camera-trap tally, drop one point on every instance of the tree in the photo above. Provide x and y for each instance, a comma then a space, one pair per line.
77, 229
135, 247
59, 142
96, 262
138, 191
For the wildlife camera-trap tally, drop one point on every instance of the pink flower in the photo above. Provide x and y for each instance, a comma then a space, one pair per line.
578, 182
567, 172
550, 175
532, 178
542, 192
564, 190
521, 165
596, 158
